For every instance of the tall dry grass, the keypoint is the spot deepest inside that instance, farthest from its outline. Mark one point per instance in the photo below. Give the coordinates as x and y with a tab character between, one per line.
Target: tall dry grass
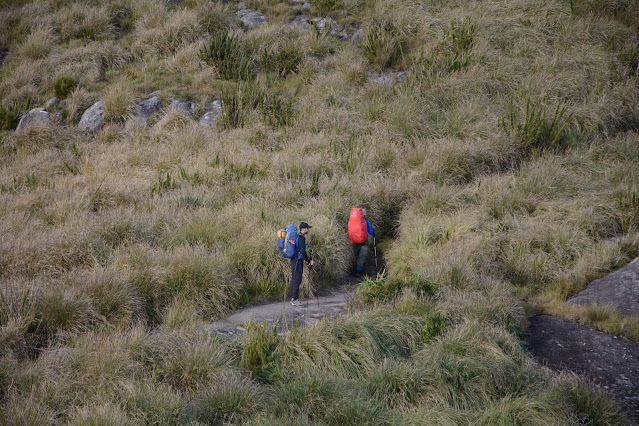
165	228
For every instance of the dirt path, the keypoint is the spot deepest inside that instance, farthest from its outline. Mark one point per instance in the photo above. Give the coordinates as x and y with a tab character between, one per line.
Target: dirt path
610	361
330	303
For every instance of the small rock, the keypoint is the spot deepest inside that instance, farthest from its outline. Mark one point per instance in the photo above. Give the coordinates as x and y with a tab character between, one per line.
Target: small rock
93	118
241	6
35	117
212	117
182	105
147	107
326	24
251	17
306	6
388	78
53	102
302	23
357	35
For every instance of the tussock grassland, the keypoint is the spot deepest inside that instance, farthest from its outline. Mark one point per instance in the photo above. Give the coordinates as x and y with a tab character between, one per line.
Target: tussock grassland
500	176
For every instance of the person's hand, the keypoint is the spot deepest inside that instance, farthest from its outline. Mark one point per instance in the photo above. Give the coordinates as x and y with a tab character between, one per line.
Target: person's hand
312	262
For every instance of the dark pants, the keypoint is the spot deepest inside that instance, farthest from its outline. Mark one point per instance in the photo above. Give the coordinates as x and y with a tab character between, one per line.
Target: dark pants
297	267
362	252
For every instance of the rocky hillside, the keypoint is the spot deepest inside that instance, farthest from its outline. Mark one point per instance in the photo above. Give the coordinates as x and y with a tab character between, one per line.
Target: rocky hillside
150	150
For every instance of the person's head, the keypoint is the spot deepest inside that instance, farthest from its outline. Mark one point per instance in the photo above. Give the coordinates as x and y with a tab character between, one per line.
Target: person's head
304	227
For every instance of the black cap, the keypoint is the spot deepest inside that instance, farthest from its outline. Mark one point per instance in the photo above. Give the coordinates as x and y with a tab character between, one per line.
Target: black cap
305	225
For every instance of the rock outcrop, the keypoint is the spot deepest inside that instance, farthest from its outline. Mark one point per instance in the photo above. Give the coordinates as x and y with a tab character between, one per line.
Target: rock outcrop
182	106
147	107
251	17
619	289
93	118
610	361
212	117
35	117
388	78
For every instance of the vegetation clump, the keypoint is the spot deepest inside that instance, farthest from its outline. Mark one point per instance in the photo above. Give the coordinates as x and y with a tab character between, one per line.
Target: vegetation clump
499	172
227	54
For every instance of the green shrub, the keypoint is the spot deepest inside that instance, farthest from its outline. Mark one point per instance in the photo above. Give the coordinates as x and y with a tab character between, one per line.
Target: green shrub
535	132
163	184
451	54
326	7
396	384
258	351
283	61
435	325
229	400
589	403
64	85
277	111
228	56
122	17
10	115
188	362
383	45
383	288
236	102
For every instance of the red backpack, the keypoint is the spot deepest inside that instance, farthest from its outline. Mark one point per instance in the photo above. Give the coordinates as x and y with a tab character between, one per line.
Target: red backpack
357	229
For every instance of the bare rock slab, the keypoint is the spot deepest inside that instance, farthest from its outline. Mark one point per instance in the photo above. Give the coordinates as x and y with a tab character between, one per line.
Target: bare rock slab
251	17
35	117
611	362
93	118
619	289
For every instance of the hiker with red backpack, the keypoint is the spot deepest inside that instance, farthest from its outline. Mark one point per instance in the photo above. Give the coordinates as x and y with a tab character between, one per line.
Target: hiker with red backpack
292	245
359	230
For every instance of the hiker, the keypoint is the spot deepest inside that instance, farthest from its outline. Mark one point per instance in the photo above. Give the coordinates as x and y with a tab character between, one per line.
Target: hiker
359	231
297	263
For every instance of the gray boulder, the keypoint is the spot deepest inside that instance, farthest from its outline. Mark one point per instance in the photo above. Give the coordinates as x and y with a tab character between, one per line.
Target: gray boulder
93	118
52	103
212	117
35	117
147	107
251	17
357	35
388	78
303	23
182	105
300	23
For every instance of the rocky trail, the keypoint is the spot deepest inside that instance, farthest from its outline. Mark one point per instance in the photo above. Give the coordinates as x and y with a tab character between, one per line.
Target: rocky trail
610	361
331	302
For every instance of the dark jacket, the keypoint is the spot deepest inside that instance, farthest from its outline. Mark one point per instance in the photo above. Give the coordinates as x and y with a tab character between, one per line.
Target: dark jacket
301	246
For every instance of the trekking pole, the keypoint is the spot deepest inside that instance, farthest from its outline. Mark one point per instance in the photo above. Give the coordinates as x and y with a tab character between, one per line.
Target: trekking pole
375	249
313	284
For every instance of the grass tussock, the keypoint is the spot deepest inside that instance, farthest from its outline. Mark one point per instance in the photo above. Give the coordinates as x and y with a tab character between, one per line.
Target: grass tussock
501	169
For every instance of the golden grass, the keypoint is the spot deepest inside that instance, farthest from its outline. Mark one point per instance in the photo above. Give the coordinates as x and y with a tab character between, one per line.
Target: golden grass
173	225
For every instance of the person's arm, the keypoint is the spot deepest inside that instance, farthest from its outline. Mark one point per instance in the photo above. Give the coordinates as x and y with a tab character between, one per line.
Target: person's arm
371	230
302	247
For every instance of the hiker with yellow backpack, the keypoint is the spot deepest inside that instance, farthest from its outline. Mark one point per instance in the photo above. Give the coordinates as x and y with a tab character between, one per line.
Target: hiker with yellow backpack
359	231
292	245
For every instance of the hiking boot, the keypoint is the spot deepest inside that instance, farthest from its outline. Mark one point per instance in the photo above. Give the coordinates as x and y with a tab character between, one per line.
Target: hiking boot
296	302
